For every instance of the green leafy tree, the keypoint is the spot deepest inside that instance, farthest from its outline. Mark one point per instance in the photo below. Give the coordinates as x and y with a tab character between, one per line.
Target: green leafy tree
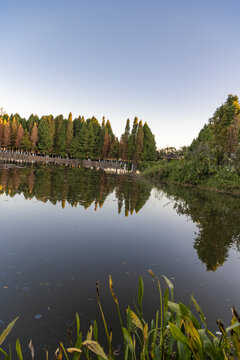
219	139
149	152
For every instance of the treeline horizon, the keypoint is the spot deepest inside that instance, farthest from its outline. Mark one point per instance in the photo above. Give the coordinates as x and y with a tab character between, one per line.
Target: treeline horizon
77	138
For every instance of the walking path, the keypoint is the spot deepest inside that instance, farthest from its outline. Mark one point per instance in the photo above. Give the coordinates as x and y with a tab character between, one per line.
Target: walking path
106	165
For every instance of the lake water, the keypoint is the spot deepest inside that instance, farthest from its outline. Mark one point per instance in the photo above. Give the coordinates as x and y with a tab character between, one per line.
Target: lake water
63	229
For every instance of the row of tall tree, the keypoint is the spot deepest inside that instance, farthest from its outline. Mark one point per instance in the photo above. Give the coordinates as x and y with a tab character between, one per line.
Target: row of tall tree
78	138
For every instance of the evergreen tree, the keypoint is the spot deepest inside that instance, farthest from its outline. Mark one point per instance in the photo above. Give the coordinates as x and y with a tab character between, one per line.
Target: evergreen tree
69	135
44	137
78	124
14	128
132	139
26	142
97	138
51	122
31	121
89	141
61	141
101	137
58	124
124	142
114	149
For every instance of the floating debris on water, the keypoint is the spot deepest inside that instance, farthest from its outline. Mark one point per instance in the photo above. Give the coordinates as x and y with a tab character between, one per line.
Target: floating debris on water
38	316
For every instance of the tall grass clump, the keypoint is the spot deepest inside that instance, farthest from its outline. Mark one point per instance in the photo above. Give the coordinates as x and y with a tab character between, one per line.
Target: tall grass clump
174	333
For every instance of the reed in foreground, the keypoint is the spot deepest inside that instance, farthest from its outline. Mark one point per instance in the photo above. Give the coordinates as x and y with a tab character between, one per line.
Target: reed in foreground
174	333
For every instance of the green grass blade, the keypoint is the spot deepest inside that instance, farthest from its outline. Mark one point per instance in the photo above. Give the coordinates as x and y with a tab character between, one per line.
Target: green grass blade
4	353
128	339
78	324
140	292
18	350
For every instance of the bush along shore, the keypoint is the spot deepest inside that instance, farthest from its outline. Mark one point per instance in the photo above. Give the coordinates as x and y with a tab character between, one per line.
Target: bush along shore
212	161
174	333
189	172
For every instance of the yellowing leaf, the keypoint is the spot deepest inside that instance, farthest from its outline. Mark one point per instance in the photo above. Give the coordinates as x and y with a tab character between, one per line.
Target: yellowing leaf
111	289
73	349
145	332
192	332
96	348
135	320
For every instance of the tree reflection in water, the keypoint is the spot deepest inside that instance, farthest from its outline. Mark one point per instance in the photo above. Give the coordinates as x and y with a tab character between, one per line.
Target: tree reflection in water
76	186
218	221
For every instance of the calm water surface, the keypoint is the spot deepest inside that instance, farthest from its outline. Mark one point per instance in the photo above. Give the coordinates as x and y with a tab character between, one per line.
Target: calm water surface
63	229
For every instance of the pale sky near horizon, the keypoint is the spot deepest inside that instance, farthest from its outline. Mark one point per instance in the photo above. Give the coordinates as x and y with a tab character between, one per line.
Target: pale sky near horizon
170	63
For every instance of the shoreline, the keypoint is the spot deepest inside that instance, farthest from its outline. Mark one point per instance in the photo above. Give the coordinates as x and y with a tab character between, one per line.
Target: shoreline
235	193
108	166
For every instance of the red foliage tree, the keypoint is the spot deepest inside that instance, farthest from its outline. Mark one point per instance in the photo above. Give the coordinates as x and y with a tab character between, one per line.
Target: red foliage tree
106	144
19	136
6	134
34	136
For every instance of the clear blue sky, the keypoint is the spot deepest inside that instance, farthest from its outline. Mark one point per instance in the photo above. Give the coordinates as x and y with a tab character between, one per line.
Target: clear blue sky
171	63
